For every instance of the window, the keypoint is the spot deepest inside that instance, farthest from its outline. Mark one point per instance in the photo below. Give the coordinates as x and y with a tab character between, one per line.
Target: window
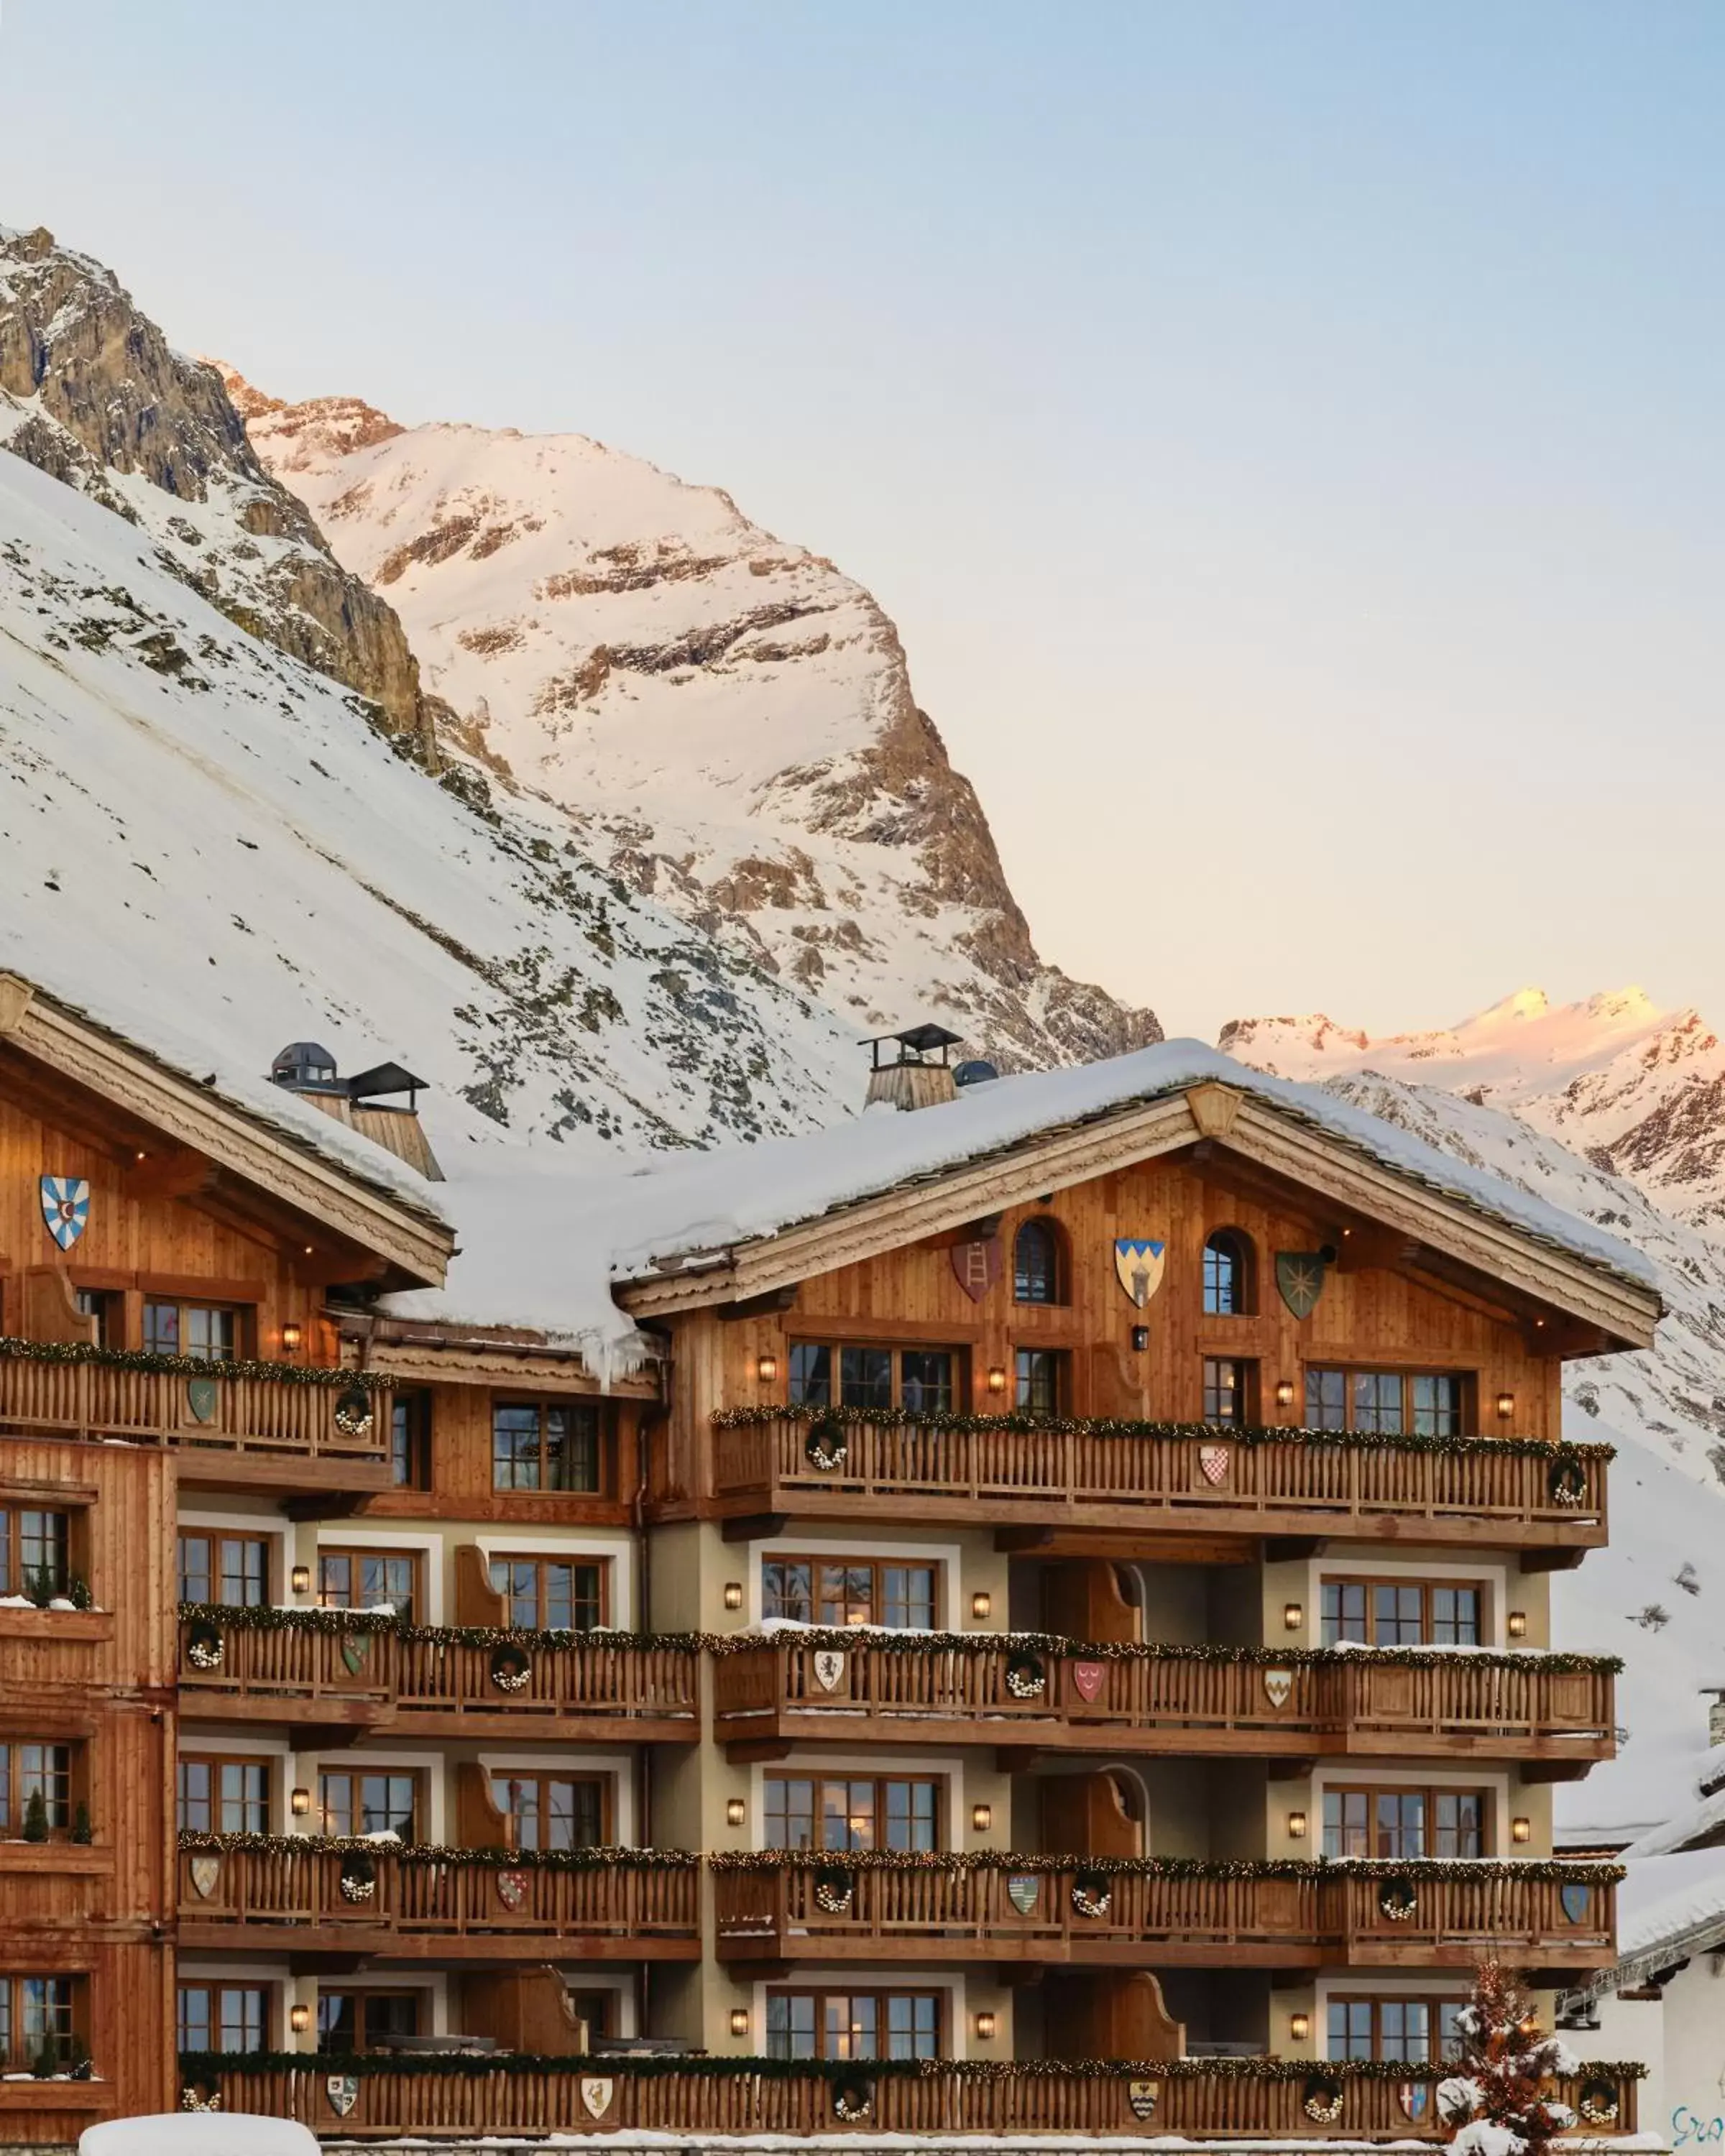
369	1800
223	2017
554	1811
36	2015
232	1569
1401	1824
204	1330
921	1380
93	1303
543	1444
1228	1284
849	1590
34	1552
546	1594
598	2008
410	1440
223	1796
1397	1613
1228	1390
1036	1263
35	1770
363	1579
1387	1403
1396	2029
853	2024
1041	1380
842	1812
355	2021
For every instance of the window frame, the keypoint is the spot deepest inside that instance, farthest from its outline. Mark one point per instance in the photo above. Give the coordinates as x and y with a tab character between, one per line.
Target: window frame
895	1350
411	1450
1371	1582
1059	1362
214	1988
195	1756
1435	2003
1244	1391
239	1313
357	1776
1043	1228
358	1553
545	1405
1242	1253
212	1538
1466	1383
18	2051
542	1777
819	1780
582	1561
15	1574
880	1994
1429	1792
362	1994
876	1567
14	1797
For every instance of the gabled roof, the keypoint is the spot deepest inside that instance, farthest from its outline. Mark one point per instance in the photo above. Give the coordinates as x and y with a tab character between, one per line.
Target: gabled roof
256	1132
1668	1907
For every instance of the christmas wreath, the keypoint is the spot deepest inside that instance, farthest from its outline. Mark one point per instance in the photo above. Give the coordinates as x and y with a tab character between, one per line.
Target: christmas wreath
1321	2102
359	1878
353	1412
1026	1676
205	1646
826	1448
510	1669
1092	1894
1397	1898
834	1889
1598	2103
853	2100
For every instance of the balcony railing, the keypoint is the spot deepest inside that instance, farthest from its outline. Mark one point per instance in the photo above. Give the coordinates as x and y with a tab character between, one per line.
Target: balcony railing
1033	1690
775	1906
346	1667
310	1893
277	1410
1257	2099
1010	1470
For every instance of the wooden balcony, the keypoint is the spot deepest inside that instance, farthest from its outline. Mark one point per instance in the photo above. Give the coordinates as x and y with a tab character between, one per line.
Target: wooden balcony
776	1910
1028	1693
253	1423
309	1895
1259	2100
1051	1488
345	1670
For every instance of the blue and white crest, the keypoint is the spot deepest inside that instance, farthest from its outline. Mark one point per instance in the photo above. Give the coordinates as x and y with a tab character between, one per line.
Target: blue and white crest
1138	1262
65	1207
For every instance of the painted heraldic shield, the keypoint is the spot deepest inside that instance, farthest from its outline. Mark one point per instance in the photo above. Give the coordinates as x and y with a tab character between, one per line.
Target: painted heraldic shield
65	1207
1138	1262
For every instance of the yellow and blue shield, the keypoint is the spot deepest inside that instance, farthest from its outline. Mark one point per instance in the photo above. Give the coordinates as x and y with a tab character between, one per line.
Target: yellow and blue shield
1137	1261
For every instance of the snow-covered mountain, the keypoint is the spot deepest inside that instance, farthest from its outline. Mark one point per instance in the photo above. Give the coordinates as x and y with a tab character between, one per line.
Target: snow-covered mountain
1639	1091
726	719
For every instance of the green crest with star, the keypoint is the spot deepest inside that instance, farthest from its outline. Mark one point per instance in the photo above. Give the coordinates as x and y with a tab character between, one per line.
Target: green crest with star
1299	1280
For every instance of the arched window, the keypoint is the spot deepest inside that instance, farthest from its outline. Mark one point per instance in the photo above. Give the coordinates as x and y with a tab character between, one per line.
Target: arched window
1036	1263
1228	1284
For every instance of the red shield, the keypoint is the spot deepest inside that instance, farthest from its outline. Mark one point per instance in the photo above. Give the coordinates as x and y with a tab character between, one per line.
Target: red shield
1214	1460
977	1266
1088	1681
511	1888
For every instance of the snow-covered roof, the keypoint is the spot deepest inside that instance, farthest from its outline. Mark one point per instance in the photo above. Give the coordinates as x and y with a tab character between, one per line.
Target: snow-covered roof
1667	1906
1703	1816
543	1250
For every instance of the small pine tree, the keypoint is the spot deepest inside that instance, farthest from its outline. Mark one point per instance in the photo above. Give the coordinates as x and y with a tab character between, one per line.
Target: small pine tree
1495	2101
36	1817
78	1592
38	1585
82	1831
47	2060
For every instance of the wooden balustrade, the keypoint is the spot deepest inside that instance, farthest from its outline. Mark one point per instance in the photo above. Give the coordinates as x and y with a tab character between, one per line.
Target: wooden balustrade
803	1686
1058	1480
213	1409
824	1908
440	1682
609	2095
312	1894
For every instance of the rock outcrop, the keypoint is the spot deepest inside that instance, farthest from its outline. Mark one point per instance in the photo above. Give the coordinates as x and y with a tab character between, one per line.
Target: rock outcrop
91	392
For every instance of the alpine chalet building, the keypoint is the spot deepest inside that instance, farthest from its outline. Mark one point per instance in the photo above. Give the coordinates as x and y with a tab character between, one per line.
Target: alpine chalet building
1026	1612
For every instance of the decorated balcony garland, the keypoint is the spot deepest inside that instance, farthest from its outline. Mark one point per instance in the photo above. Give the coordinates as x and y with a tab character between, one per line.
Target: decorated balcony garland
829	1423
1411	1872
206	2066
1028	1646
190	1366
348	1847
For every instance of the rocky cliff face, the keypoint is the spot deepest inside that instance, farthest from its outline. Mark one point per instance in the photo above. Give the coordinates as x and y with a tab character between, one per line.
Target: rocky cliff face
1638	1090
726	719
91	392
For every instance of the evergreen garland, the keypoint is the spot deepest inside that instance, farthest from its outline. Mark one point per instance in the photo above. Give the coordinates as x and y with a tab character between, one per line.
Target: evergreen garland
1570	1871
1043	1425
605	1858
264	1618
208	2066
188	1366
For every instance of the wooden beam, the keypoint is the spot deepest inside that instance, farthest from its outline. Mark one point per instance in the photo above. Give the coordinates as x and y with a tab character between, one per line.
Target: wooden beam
174	1170
755	1527
773	1304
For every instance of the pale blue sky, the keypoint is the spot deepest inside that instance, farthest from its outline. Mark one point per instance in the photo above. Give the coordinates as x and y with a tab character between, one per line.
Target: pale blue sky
1288	435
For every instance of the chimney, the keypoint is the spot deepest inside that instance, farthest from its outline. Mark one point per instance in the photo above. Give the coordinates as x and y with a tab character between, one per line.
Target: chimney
911	1076
1715	1697
304	1068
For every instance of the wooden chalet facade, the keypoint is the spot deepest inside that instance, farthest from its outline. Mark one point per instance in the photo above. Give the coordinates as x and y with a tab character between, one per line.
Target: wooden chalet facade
952	1647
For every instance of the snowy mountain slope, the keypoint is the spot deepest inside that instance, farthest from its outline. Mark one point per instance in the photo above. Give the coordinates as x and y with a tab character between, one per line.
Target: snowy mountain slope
1665	1410
1640	1091
727	719
198	834
91	392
